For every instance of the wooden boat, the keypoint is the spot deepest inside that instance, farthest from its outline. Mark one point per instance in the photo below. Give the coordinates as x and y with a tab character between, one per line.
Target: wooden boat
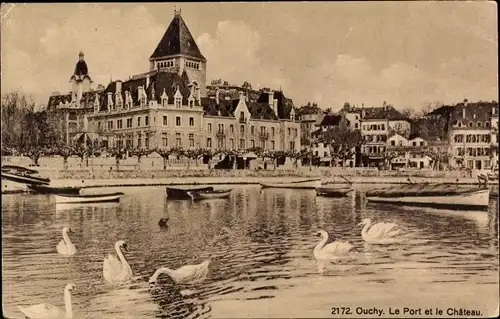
217	193
23	175
333	192
42	189
182	193
90	198
437	196
304	184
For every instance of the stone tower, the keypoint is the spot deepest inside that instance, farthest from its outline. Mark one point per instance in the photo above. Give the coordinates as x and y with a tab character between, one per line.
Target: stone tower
177	52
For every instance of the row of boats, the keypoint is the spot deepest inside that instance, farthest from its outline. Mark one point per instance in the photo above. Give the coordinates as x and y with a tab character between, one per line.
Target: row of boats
416	194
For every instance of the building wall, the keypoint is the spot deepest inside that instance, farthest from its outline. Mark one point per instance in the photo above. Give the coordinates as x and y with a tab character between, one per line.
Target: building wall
374	135
470	147
354	120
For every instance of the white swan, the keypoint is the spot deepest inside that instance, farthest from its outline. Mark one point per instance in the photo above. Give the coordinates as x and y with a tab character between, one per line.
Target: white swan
332	251
114	270
65	246
380	233
48	311
185	274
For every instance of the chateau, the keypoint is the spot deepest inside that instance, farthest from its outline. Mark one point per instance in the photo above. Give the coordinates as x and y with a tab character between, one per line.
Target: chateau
169	106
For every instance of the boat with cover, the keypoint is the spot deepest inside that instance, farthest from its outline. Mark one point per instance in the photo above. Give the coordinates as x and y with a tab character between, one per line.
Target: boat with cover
23	175
216	193
88	198
437	196
182	193
333	192
303	184
43	189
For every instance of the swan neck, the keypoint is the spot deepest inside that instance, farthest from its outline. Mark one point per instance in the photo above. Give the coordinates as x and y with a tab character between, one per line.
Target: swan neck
66	237
322	242
159	271
364	232
125	264
67	304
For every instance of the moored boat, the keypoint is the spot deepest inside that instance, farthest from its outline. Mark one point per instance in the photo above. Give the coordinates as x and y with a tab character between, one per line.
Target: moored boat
210	194
42	189
23	175
333	192
437	196
182	193
303	184
88	198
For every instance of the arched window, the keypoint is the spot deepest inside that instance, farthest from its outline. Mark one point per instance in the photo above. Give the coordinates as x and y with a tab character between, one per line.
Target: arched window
479	124
487	124
470	124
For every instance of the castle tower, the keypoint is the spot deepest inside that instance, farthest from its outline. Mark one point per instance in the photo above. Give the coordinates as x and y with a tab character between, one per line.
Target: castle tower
177	52
80	80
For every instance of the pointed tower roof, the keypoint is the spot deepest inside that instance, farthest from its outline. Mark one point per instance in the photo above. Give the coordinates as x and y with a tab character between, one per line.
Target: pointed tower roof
177	40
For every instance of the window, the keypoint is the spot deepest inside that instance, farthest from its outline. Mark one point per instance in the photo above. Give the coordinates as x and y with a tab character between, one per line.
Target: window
99	125
178	121
165	120
242	129
356	125
164	138
178	102
146	142
272	131
479	124
242	116
231	128
272	145
129	122
191	121
220	143
292	146
414	143
119	124
178	140
252	130
191	140
209	142
263	144
393	143
242	143
139	140
110	125
231	143
422	143
289	131
209	127
252	143
146	120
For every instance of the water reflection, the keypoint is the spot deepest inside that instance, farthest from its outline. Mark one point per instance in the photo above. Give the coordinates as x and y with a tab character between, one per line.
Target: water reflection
264	268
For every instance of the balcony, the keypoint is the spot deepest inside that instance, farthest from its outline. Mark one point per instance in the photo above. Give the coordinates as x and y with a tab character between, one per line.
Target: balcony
220	134
264	135
242	120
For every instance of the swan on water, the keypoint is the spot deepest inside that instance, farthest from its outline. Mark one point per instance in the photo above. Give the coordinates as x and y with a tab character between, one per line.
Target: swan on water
380	233
114	269
335	250
48	311
185	274
65	246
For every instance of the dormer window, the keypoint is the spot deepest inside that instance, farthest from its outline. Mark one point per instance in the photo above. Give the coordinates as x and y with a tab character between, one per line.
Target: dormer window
479	124
459	124
486	124
470	124
191	104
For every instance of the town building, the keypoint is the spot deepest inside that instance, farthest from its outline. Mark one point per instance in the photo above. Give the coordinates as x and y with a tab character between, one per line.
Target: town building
169	106
494	137
407	153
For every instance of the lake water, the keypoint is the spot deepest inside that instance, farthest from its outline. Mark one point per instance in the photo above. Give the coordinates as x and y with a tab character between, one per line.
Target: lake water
265	269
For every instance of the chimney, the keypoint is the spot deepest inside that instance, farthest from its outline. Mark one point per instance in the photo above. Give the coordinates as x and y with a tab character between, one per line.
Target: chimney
118	86
147	82
466	102
271	98
198	95
275	106
463	112
217	96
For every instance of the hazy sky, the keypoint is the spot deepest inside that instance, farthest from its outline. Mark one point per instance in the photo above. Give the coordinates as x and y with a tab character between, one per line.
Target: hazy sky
405	53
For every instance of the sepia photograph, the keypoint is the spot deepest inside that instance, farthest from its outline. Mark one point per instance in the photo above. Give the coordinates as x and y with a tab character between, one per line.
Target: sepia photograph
250	160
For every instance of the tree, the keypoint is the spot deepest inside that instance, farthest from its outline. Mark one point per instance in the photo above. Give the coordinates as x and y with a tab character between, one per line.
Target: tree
274	155
165	152
140	152
14	107
118	154
343	140
63	150
388	157
438	156
193	154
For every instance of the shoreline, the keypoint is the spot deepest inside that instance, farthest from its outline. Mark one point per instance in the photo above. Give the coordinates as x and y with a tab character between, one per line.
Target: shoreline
173	181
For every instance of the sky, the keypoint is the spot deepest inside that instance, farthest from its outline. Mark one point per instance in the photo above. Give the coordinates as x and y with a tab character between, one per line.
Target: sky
409	54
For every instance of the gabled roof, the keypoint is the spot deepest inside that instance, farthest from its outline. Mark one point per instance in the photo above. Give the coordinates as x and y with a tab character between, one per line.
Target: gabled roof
389	113
177	40
331	120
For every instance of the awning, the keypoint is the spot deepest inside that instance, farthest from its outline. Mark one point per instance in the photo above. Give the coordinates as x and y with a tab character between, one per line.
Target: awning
81	137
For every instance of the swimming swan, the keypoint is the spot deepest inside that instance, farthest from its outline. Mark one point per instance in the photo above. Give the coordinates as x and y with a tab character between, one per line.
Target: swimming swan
65	246
335	250
185	274
380	233
48	311
115	270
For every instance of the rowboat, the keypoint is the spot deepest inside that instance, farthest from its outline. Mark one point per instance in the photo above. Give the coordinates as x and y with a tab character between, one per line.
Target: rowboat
437	196
23	175
182	193
333	192
88	198
217	193
42	189
303	184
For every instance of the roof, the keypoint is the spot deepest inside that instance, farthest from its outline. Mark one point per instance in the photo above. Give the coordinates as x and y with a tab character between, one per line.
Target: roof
177	40
87	97
160	81
331	120
388	112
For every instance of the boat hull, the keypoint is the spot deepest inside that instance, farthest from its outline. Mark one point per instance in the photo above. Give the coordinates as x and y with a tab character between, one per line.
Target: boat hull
182	193
25	179
97	198
333	192
42	189
197	195
308	184
474	200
